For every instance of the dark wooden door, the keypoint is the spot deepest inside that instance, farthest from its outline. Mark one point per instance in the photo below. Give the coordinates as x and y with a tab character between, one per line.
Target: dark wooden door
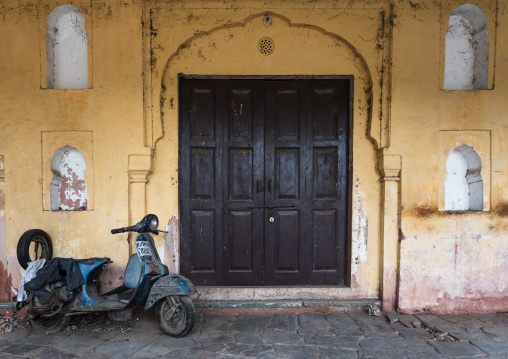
263	176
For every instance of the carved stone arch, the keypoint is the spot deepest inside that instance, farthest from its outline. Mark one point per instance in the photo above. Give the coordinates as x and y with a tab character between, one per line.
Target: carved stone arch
337	57
231	50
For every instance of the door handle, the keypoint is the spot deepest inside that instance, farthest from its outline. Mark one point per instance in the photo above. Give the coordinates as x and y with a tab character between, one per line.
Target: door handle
257	186
270	185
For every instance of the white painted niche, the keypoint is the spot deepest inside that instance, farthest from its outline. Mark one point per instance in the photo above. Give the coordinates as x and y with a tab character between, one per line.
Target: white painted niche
66	49
68	191
464	184
464	170
467	50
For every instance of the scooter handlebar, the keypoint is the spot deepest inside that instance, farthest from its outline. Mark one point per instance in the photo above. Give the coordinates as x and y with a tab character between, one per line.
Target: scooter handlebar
118	230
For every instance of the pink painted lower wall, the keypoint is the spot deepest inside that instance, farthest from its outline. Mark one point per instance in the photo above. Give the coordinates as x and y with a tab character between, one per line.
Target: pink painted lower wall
6	282
453	263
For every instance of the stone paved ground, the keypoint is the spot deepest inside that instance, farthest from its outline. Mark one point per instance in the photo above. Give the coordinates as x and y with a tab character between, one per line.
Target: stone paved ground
289	335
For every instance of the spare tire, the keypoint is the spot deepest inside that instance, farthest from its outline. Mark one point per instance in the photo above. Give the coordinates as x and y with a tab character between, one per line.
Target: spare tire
41	247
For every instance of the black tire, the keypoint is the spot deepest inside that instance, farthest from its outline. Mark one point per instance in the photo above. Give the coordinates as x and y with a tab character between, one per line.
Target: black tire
49	325
41	240
183	319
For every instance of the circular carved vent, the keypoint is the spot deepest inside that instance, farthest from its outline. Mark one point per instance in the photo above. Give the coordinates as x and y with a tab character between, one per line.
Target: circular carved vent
266	46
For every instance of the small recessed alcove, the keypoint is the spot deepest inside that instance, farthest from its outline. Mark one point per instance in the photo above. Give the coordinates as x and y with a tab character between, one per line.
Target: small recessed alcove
464	184
66	49
68	191
467	50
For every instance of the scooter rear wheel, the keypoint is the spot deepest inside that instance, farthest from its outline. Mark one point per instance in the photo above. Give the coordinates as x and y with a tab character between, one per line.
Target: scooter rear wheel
49	325
179	321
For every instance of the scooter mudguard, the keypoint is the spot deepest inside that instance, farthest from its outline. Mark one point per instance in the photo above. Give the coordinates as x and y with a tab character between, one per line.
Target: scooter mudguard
173	284
141	292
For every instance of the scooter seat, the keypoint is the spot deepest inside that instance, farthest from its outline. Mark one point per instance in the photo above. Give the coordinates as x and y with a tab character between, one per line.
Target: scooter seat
132	272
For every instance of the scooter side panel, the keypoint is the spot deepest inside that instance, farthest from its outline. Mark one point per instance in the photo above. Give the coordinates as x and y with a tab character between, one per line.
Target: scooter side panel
90	299
173	284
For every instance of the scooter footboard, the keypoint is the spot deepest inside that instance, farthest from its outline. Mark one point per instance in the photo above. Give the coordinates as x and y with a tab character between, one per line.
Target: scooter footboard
173	284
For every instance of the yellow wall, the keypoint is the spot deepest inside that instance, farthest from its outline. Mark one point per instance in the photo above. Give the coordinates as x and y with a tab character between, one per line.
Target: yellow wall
449	262
137	49
112	110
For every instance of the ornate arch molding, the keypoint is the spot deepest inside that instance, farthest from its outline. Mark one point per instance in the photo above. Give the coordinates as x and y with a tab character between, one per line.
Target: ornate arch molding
320	52
369	103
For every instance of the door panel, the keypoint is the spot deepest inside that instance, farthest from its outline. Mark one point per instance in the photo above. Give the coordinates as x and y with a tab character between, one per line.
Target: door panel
202	119
241	228
325	173
240	115
284	169
240	174
200	182
286	114
286	241
251	150
324	238
328	179
202	240
242	145
287	173
324	113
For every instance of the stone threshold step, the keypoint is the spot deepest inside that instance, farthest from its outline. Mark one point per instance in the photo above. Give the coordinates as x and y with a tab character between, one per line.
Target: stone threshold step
343	303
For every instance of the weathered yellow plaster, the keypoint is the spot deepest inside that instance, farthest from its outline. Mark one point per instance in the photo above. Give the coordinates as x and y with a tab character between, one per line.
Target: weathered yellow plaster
401	248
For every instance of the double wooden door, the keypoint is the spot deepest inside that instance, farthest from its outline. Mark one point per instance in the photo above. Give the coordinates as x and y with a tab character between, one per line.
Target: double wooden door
263	181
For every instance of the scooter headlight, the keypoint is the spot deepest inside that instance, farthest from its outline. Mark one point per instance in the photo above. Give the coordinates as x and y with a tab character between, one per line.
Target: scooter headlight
153	222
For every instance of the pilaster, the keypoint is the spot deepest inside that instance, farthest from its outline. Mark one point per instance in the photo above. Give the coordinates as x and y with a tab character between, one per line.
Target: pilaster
390	167
140	166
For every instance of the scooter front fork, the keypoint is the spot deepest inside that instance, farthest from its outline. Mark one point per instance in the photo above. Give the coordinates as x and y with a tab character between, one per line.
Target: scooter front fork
174	304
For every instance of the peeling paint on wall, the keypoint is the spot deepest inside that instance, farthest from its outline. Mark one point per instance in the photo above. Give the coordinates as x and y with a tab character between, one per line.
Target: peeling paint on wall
5	277
111	278
68	186
455	268
172	245
360	232
15	274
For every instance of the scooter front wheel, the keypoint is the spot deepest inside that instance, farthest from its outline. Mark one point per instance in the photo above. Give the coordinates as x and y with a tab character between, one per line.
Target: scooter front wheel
176	315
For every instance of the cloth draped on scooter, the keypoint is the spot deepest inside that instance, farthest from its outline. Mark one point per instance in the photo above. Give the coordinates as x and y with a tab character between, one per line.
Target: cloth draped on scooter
30	273
65	269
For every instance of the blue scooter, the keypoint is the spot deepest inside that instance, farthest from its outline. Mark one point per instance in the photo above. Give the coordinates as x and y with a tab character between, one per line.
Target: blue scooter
146	282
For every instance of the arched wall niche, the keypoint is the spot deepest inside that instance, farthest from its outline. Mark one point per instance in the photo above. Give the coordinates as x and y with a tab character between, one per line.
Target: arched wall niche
464	184
464	171
68	190
467	49
473	28
66	49
67	170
